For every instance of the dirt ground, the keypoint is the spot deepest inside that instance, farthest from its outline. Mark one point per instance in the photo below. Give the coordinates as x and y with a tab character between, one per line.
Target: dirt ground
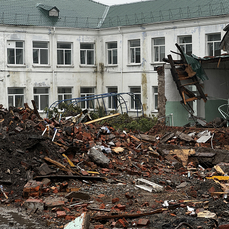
186	190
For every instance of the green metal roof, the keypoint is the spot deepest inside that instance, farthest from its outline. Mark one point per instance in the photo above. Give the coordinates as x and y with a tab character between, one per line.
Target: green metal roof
163	10
72	13
91	14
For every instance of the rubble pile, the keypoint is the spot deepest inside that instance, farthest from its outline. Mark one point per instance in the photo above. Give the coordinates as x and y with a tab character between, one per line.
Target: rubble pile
87	175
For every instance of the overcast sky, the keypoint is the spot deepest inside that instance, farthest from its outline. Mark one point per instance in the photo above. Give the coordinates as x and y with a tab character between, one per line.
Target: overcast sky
116	2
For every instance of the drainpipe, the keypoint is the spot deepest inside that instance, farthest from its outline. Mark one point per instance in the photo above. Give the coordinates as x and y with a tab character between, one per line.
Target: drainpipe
53	72
119	29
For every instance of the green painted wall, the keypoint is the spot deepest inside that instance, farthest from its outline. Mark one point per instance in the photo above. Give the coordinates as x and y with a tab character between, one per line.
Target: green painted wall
180	115
211	109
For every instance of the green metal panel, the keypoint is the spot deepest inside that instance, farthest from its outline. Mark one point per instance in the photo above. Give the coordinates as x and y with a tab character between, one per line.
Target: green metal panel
211	109
180	115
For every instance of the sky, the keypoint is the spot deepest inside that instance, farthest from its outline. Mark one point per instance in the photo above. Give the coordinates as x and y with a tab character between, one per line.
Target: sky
116	2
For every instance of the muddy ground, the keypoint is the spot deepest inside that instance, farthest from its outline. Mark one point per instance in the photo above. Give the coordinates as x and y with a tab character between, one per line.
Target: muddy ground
23	149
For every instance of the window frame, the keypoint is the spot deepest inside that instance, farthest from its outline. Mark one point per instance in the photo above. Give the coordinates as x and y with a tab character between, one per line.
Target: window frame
39	52
13	95
64	53
15	55
87	103
111	53
133	101
86	53
155	98
63	94
184	45
213	43
133	52
159	52
112	101
39	97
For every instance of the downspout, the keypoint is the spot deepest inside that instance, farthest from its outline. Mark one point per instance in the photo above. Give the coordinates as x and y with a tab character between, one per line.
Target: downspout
119	29
53	72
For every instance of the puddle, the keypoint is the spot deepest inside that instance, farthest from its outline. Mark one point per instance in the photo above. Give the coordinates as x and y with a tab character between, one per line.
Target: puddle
12	219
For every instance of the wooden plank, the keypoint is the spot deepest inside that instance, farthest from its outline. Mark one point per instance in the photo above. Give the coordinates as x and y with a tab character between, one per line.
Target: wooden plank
103	118
218	177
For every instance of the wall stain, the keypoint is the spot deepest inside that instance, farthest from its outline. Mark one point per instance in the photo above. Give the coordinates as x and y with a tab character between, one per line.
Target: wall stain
144	91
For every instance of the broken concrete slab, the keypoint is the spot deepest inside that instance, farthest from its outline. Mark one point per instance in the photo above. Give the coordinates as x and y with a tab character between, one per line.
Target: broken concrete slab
98	157
81	222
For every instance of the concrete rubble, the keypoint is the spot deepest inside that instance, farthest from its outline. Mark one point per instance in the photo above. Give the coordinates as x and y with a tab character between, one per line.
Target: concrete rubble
70	174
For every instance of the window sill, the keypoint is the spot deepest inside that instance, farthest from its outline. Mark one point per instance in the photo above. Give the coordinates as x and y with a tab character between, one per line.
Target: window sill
87	66
41	66
111	65
65	66
133	65
16	65
157	63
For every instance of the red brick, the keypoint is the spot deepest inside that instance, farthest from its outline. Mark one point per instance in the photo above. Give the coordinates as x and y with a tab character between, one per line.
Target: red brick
121	222
121	207
143	222
225	226
99	226
70	217
212	189
115	200
61	214
84	173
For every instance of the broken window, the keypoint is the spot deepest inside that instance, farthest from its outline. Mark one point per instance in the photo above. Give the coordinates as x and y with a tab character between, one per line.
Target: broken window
135	103
158	49
87	54
64	53
185	42
112	100
15	52
213	44
15	97
41	97
64	93
135	51
155	98
40	52
88	102
112	53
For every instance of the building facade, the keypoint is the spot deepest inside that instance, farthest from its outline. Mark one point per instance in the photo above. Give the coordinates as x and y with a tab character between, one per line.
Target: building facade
61	49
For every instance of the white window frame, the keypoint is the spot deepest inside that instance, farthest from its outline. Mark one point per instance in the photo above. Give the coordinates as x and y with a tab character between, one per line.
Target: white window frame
40	50
134	101
39	95
64	95
64	50
184	44
14	96
158	50
86	51
88	91
134	51
15	48
111	51
214	44
155	98
112	100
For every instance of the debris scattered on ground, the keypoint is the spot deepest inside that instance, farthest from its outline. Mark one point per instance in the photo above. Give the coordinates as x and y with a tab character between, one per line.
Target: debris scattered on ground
65	172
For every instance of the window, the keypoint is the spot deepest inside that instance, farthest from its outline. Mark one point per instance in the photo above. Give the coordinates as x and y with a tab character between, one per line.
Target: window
135	51
185	43
112	52
158	49
87	91
40	52
64	53
15	97
41	97
15	52
112	100
135	98
155	98
213	43
87	54
64	93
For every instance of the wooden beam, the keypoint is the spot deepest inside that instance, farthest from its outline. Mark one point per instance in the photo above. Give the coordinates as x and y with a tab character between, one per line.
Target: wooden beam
103	118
